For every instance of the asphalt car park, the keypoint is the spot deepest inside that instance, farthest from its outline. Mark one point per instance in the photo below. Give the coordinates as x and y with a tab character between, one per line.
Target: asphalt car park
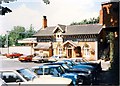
7	62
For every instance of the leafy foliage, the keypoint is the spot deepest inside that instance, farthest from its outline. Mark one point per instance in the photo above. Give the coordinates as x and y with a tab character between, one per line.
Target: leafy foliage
4	10
17	33
46	1
2	41
85	21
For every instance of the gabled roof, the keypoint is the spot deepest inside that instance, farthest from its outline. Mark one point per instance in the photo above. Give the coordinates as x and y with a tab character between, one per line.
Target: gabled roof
61	27
72	30
70	42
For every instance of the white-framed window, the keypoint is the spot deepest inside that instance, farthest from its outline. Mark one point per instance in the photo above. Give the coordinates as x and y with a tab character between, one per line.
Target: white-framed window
86	50
60	51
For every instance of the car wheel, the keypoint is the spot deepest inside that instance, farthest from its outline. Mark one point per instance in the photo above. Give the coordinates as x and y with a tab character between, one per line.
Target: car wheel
29	60
42	61
83	81
11	57
80	81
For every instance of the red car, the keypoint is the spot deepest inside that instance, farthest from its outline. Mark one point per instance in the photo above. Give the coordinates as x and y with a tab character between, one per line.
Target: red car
13	55
25	58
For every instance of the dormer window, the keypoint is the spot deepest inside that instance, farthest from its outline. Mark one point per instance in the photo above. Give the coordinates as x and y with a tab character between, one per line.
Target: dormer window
59	37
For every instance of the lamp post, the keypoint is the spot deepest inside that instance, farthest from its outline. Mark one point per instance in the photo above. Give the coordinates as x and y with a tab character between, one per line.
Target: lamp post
7	42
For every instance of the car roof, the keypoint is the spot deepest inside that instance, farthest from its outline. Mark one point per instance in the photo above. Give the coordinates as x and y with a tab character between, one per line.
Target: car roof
46	66
49	66
80	58
55	63
77	58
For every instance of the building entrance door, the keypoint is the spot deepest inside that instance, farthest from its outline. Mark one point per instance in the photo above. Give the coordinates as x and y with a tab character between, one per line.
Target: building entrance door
69	53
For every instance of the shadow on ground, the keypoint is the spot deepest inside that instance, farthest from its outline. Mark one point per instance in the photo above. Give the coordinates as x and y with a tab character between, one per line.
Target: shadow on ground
108	78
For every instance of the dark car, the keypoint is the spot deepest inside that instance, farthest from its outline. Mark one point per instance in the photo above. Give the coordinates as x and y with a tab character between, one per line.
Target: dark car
57	71
74	65
80	66
86	74
83	61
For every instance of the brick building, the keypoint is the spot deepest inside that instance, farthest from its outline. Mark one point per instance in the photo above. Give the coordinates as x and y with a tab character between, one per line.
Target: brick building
63	39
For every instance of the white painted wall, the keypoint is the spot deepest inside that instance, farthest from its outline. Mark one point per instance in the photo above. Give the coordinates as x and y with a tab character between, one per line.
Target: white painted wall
18	49
96	50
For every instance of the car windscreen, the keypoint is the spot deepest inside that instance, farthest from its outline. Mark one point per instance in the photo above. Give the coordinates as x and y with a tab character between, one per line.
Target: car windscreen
66	66
27	74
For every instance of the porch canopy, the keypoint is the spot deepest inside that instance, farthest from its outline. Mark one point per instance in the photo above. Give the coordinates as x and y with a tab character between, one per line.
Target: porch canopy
28	40
42	46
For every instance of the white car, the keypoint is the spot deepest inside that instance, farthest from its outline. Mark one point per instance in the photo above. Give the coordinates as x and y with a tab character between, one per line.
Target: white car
2	83
40	58
25	76
57	57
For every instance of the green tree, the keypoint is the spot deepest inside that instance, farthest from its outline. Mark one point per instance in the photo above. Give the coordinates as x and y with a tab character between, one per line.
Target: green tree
2	40
19	32
15	34
30	31
4	10
87	21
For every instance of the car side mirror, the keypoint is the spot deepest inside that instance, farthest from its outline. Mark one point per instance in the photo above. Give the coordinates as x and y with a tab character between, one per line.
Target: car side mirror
18	80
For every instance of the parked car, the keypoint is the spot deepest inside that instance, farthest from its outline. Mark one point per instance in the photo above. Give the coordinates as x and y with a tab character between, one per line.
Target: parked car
74	65
39	58
2	83
25	58
83	61
13	55
56	57
25	76
80	66
57	71
86	74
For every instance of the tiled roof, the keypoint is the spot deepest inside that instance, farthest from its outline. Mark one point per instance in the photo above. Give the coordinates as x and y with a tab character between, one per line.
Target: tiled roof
83	29
72	30
45	32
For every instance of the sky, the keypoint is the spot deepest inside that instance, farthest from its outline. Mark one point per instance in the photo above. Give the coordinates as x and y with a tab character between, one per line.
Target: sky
27	12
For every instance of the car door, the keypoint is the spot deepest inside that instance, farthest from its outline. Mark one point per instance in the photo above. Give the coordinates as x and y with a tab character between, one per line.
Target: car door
10	77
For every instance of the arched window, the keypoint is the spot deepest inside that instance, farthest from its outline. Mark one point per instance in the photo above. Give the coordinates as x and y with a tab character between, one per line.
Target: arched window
86	50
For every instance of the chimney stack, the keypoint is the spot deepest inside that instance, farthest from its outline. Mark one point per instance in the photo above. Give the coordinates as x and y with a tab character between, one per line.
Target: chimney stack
44	22
101	17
